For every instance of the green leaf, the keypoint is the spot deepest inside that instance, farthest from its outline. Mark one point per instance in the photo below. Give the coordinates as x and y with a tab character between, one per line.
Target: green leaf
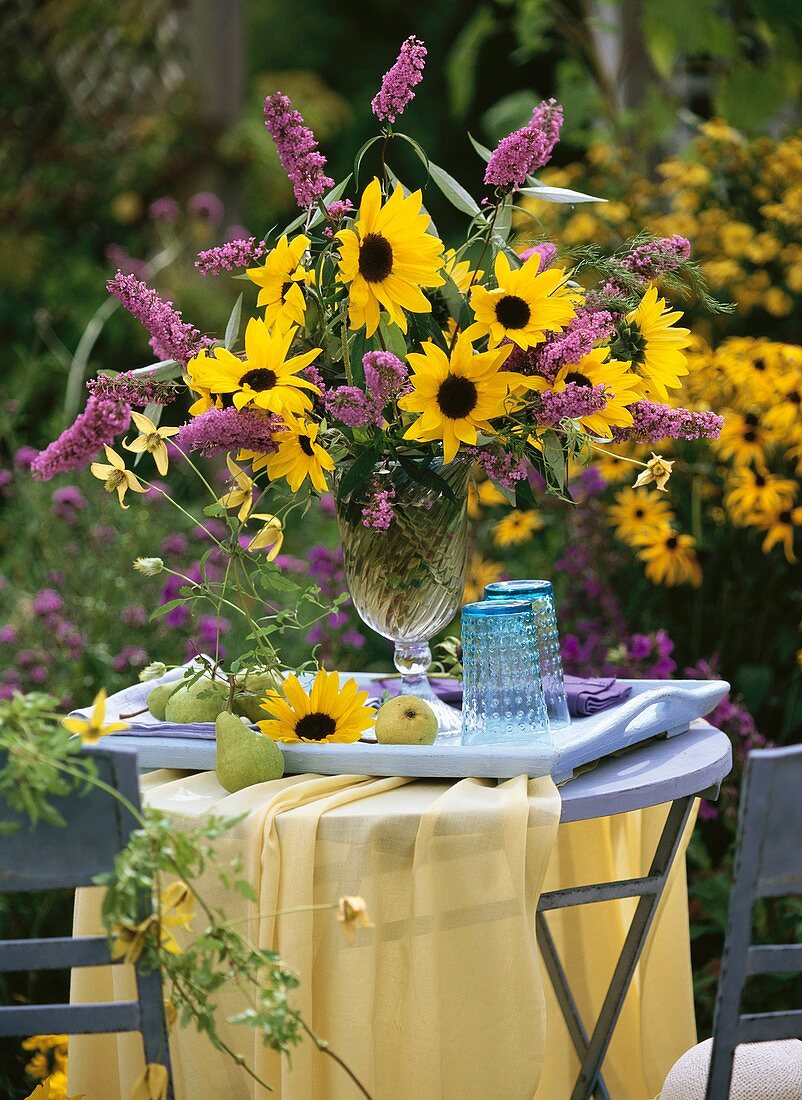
357	472
554	459
558	194
361	153
482	150
394	339
461	62
453	190
232	328
424	475
214	510
317	217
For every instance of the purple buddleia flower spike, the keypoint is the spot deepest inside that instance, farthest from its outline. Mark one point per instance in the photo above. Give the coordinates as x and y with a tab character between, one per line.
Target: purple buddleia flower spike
230	256
526	150
297	150
99	423
170	336
396	92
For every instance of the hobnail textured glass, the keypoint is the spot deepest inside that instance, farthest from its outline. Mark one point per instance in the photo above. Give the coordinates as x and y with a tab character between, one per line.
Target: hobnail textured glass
503	700
407	582
541	594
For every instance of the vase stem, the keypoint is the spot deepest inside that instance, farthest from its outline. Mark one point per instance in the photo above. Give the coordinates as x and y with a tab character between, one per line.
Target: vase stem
412	659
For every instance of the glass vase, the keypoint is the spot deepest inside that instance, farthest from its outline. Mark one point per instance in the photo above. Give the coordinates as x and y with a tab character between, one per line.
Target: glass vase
406	582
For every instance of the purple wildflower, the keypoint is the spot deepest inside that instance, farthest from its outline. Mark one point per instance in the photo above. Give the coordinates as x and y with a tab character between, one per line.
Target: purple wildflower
132	389
47	602
101	420
587	329
130	657
68	502
8	635
526	150
122	259
378	512
353	407
297	150
174	544
24	456
572	403
230	256
396	92
547	252
134	614
219	430
164	210
208	206
501	466
385	375
653	422
170	336
659	257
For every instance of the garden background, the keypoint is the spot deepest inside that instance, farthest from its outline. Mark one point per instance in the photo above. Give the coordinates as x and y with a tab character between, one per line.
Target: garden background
137	138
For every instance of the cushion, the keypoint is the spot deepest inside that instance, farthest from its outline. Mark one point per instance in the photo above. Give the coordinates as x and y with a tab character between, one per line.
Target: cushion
762	1071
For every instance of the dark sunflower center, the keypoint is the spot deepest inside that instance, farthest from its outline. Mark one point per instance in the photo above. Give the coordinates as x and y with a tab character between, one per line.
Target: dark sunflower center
375	258
261	378
671	543
285	289
457	397
750	435
759	364
760	481
630	343
795	397
305	443
578	379
751	419
638	513
785	517
512	311
315	727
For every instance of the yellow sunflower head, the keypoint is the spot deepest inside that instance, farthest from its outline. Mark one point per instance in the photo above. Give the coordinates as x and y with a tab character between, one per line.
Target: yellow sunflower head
621	389
525	304
670	558
299	456
650	340
387	257
325	713
268	377
282	278
456	396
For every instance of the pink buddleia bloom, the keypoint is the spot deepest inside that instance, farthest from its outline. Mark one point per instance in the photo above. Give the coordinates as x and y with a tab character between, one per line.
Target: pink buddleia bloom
102	420
231	256
297	151
526	150
396	92
170	336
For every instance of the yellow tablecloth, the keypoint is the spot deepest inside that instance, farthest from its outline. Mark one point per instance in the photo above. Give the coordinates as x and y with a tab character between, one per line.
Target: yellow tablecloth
444	999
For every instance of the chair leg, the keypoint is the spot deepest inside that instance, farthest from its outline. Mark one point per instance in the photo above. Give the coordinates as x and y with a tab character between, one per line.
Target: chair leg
663	860
154	1030
565	998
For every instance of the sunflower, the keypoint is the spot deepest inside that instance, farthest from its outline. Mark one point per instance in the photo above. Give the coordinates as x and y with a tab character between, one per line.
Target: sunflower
326	713
456	396
481	572
649	340
743	439
621	388
460	272
670	558
636	514
267	379
524	306
281	279
750	494
299	456
780	526
517	527
387	257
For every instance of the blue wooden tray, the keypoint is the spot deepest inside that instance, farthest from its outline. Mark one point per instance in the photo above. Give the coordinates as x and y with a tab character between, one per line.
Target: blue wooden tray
654	708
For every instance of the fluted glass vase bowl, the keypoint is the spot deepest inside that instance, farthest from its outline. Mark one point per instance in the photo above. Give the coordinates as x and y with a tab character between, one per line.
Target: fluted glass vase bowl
407	581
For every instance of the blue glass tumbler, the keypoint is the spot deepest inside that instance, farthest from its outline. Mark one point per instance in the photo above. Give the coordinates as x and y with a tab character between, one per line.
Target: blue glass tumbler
548	640
503	700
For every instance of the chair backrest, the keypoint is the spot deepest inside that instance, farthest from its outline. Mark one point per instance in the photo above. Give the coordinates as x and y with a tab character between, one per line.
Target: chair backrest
45	857
768	863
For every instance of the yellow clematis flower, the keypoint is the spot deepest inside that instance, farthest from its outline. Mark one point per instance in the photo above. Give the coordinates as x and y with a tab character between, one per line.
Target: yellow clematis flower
151	440
271	536
151	1083
657	470
91	729
116	477
352	912
241	495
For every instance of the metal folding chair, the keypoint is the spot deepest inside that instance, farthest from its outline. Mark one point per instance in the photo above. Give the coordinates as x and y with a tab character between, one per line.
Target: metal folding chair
768	864
52	857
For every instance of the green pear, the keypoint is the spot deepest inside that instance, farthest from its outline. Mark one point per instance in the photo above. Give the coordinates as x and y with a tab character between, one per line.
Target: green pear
244	756
260	681
157	699
406	720
249	705
200	701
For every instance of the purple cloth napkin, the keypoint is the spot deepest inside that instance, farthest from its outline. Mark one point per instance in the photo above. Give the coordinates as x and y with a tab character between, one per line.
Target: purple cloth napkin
585	695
